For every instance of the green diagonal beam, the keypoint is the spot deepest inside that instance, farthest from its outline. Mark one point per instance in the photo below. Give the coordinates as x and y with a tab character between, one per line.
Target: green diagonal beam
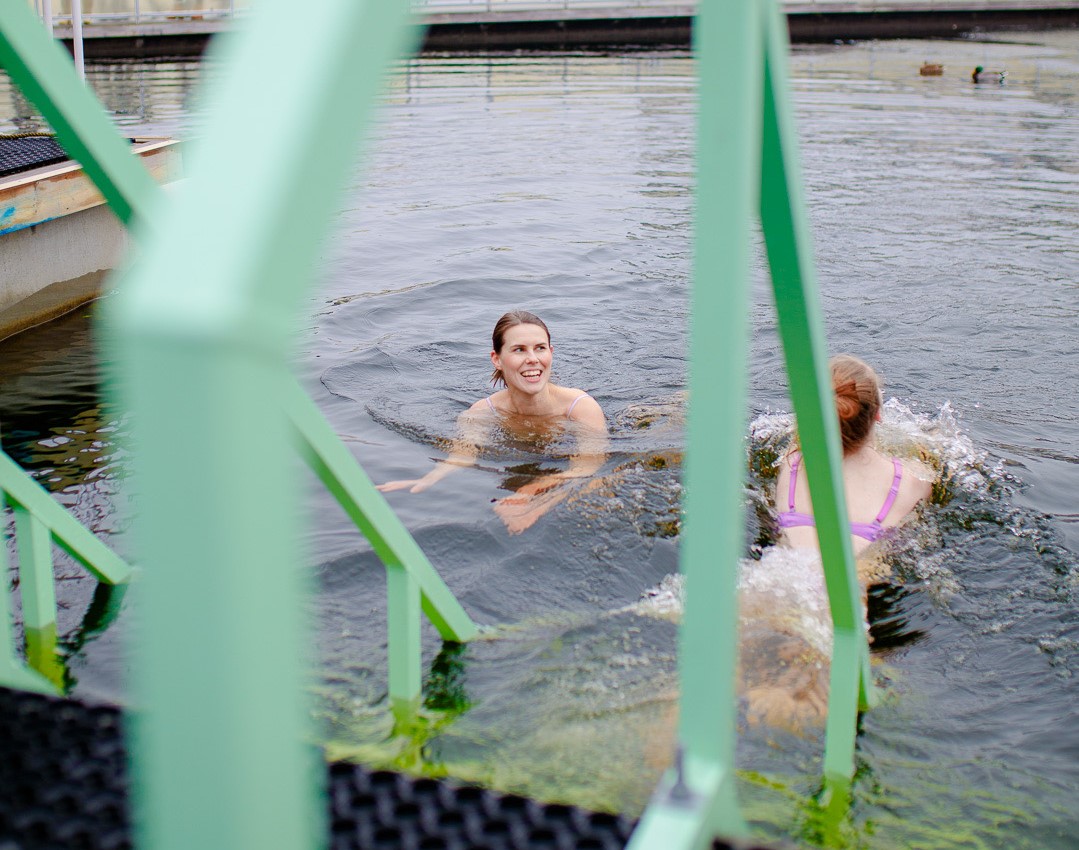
801	327
68	533
45	74
332	462
411	581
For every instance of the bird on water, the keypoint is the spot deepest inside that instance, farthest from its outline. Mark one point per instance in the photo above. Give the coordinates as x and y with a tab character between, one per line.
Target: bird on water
980	75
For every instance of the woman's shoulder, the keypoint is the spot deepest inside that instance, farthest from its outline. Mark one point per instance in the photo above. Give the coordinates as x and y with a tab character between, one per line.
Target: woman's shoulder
487	404
917	476
580	406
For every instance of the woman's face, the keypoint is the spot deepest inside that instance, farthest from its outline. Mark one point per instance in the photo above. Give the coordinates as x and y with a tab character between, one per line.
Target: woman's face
525	358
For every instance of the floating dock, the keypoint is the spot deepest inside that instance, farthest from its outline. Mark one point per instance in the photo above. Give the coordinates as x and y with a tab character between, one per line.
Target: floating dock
506	25
58	240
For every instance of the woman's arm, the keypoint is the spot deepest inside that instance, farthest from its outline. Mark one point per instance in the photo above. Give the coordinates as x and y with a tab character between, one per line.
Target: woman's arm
537	497
471	430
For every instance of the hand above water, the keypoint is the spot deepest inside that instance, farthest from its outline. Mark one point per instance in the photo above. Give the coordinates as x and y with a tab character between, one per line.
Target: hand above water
418	485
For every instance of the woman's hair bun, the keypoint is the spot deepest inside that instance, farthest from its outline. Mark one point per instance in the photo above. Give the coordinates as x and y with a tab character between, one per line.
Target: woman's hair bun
847	403
857	399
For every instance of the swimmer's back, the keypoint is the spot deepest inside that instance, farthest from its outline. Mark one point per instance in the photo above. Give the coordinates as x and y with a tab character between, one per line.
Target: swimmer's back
868	488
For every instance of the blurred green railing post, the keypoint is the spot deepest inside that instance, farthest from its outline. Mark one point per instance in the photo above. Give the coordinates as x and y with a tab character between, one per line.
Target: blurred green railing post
205	335
747	166
89	137
205	323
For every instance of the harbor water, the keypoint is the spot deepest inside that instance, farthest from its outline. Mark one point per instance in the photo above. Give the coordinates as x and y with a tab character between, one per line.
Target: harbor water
944	216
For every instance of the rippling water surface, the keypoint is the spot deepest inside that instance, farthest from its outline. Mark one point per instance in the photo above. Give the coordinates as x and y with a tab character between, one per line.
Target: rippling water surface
944	216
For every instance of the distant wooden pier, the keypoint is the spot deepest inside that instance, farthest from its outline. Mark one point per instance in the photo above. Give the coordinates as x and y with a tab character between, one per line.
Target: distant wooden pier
518	24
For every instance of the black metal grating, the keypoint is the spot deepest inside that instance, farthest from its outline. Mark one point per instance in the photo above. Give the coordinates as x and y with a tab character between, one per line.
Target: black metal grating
63	786
21	153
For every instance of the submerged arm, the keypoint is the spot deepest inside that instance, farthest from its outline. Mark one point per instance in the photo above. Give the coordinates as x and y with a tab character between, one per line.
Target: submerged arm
463	453
534	499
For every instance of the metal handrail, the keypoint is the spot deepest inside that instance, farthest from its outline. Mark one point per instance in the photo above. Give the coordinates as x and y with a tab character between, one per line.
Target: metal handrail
123	183
412	583
137	11
40	522
747	169
219	329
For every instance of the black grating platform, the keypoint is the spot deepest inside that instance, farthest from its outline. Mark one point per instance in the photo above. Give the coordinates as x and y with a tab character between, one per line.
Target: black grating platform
21	153
63	786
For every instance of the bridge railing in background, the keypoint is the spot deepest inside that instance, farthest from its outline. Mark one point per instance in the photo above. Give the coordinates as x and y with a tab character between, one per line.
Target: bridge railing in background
40	522
140	11
178	11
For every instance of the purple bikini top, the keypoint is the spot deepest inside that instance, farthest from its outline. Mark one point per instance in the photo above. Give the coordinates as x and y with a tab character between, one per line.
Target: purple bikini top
870	531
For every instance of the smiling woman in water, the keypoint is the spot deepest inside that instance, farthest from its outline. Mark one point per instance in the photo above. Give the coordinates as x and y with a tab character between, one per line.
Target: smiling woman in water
528	404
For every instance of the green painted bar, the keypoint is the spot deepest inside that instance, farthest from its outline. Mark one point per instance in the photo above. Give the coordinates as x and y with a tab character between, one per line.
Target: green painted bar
13	674
748	164
403	632
728	45
35	570
22	491
684	819
44	72
335	466
790	256
206	337
41	655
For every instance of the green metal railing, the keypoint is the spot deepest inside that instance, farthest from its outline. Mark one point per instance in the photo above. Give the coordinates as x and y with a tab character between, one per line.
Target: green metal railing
205	337
748	168
217	324
412	583
39	523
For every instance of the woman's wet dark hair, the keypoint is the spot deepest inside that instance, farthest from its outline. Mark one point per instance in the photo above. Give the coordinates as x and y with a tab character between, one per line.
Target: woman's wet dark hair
857	399
498	336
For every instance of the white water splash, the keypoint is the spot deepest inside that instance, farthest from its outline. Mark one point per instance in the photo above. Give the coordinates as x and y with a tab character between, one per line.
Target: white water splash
786	585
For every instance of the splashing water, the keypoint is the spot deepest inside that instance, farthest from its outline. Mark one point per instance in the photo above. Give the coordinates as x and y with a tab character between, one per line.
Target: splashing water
791	580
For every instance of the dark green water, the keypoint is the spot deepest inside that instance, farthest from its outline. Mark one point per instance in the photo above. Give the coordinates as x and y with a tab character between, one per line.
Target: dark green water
944	216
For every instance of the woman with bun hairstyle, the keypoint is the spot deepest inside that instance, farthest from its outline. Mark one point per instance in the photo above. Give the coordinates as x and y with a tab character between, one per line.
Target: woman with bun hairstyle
529	406
881	491
785	623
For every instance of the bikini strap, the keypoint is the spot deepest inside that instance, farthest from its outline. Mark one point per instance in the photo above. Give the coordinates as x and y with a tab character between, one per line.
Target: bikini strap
897	478
794	480
573	404
491	405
